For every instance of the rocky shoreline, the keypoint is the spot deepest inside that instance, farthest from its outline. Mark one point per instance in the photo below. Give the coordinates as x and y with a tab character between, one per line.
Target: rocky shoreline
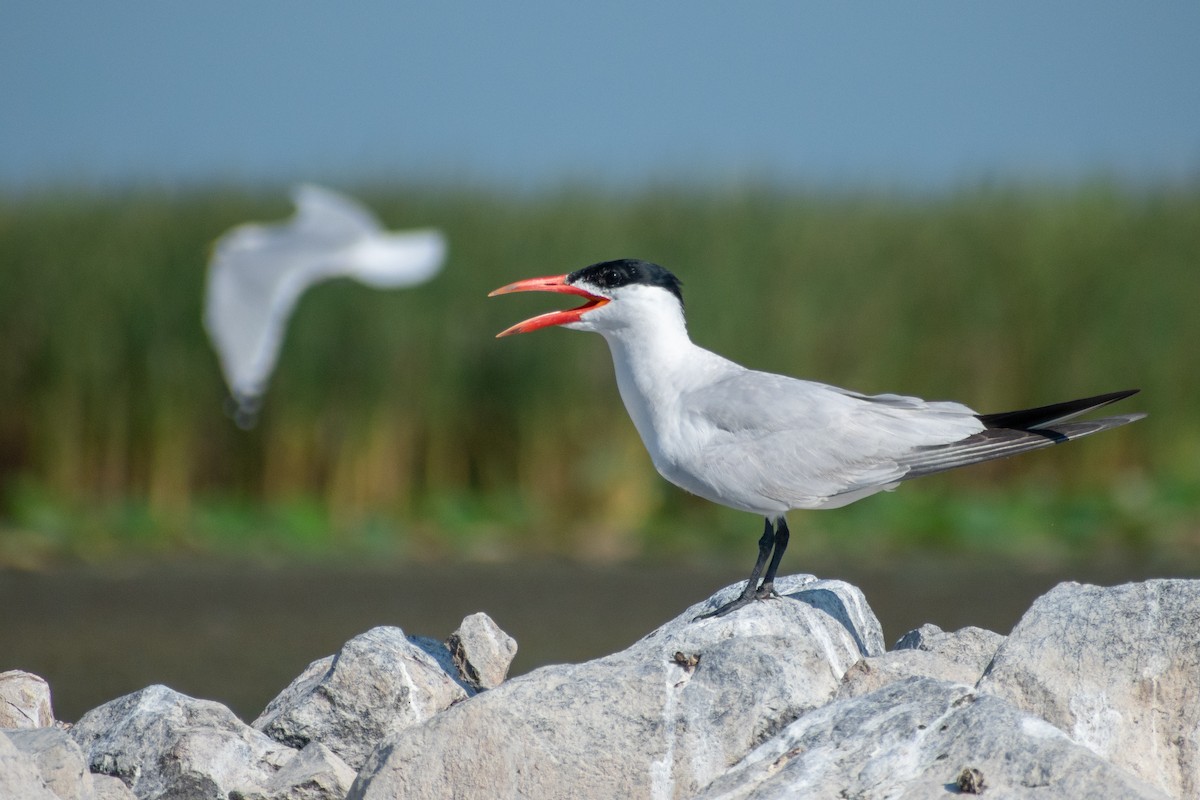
1093	694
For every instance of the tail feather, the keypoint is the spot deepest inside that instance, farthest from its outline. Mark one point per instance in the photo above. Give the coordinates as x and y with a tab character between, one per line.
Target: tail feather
1041	416
1013	432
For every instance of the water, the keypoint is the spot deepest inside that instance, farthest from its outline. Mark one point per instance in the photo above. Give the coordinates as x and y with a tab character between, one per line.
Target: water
239	633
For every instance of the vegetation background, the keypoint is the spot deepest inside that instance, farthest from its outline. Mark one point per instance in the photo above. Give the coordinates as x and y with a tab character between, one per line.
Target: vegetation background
396	426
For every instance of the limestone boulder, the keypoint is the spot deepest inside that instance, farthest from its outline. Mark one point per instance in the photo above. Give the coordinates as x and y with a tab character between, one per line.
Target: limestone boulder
163	744
378	683
922	738
662	718
1116	668
24	700
960	657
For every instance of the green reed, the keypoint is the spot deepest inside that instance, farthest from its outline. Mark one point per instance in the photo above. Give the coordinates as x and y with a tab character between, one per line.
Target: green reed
397	417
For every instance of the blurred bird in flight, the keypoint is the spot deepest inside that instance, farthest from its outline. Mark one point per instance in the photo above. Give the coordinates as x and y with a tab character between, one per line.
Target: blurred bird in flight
258	273
768	443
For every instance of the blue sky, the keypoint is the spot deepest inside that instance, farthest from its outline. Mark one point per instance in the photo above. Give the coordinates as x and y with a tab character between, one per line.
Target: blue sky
921	94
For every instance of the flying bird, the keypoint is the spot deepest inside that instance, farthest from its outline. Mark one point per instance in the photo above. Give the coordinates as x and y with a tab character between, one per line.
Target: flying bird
767	443
258	272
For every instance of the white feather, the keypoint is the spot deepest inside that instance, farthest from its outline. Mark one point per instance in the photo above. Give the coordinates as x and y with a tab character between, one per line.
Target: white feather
258	272
751	440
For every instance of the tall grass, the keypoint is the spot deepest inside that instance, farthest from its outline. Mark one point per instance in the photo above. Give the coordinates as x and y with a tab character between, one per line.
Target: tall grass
396	416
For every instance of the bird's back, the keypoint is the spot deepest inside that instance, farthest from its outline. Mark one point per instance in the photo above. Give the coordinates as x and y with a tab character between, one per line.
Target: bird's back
768	443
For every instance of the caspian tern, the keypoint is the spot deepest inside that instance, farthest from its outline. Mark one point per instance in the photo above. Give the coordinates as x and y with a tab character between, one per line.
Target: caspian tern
258	273
768	443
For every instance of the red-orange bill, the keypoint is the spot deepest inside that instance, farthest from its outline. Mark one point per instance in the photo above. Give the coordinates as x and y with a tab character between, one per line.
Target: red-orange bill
550	283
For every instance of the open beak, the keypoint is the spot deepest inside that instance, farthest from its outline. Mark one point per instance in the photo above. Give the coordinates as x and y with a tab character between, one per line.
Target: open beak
552	283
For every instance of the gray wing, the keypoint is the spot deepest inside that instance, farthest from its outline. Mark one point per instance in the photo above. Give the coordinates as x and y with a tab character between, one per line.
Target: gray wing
803	444
1013	432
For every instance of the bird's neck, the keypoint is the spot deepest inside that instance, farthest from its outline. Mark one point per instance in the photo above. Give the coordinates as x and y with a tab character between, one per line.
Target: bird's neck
653	369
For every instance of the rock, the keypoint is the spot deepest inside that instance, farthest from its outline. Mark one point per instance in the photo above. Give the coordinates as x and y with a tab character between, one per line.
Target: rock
301	687
59	764
481	651
923	635
1092	695
165	744
662	718
915	739
24	700
59	761
972	647
109	787
316	774
377	684
871	674
439	651
1116	668
930	652
19	775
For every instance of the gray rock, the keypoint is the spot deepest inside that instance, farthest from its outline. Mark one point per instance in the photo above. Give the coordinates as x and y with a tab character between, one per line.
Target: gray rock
923	738
109	787
661	719
970	647
315	774
164	744
481	651
871	674
786	698
59	761
300	688
377	684
24	700
60	765
19	774
924	635
930	652
439	651
1118	669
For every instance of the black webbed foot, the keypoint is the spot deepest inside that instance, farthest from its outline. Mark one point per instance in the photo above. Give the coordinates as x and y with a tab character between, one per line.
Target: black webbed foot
744	599
767	592
772	544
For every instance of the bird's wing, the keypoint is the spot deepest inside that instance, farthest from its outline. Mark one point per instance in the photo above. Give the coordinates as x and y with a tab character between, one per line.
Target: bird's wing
802	443
356	244
1012	432
1043	416
392	260
258	272
330	216
994	443
255	276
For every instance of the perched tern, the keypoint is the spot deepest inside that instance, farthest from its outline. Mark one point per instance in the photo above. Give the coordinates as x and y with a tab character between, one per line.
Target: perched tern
768	443
258	273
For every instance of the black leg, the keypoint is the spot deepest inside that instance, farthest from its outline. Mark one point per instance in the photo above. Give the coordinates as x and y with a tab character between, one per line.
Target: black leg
753	591
765	544
782	534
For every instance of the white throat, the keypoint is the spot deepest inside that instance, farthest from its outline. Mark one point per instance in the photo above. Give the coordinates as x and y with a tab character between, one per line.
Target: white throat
656	363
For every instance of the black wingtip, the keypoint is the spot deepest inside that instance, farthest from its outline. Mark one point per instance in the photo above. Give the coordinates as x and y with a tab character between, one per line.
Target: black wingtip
1029	418
1001	442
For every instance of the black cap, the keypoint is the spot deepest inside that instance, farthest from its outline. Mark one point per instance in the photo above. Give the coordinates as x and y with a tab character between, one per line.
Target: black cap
627	271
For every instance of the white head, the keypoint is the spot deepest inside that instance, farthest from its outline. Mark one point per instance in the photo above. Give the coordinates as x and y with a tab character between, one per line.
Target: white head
622	294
